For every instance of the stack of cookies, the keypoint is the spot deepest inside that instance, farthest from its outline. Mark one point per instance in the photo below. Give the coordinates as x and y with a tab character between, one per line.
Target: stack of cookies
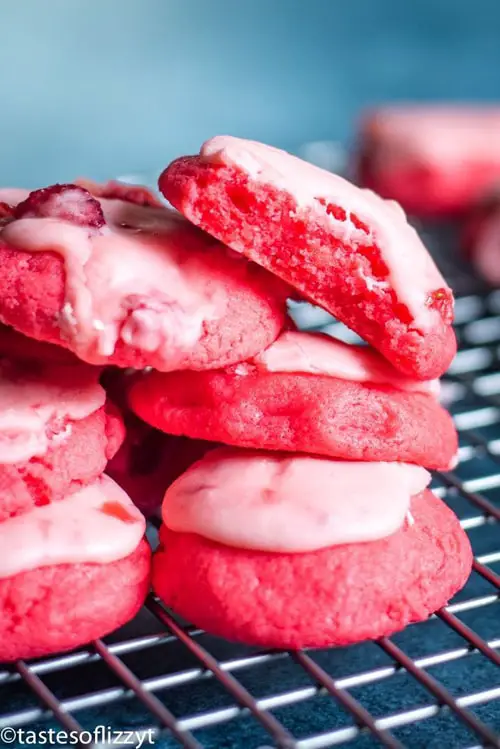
316	526
73	562
313	524
93	276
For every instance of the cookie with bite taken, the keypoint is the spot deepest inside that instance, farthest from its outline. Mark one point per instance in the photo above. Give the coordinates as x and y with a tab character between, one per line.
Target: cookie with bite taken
341	247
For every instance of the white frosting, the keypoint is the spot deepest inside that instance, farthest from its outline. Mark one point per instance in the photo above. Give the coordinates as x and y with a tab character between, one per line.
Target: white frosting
273	502
99	524
317	353
144	278
412	272
30	403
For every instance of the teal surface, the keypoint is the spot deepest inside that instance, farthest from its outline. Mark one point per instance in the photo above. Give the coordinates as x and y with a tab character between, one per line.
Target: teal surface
107	87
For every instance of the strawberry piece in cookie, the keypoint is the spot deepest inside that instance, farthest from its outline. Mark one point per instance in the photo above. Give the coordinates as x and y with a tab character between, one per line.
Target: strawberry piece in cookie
68	203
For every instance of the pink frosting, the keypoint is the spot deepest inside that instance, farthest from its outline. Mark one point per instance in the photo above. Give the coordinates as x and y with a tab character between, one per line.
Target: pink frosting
13	195
412	272
317	353
283	503
139	280
437	135
30	403
98	524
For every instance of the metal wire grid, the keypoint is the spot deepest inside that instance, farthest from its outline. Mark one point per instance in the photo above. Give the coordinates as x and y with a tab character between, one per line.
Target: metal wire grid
133	680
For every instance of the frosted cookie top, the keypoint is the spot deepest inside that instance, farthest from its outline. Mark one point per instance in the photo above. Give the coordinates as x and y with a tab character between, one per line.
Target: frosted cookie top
317	353
99	524
35	408
138	274
412	273
273	502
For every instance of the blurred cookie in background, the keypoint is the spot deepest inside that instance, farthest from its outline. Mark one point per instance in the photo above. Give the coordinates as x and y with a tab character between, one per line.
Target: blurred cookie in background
435	160
481	237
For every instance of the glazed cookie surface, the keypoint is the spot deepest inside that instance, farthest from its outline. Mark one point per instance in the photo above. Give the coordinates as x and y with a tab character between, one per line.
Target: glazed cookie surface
71	571
360	590
117	281
57	433
341	247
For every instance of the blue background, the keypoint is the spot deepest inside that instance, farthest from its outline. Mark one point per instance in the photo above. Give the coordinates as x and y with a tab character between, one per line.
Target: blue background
107	87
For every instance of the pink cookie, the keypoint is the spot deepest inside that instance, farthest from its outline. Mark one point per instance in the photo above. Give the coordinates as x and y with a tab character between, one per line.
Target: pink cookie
306	393
71	571
481	238
134	285
335	596
149	461
114	190
56	434
16	346
80	602
343	248
433	160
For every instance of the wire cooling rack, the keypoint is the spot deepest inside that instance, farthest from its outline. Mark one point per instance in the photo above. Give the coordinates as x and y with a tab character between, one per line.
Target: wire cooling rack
434	686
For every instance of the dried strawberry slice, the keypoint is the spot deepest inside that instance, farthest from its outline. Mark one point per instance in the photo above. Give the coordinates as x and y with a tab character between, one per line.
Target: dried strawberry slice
114	190
70	203
6	213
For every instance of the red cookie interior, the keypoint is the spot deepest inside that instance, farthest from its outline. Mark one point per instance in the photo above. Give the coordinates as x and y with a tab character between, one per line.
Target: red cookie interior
329	248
